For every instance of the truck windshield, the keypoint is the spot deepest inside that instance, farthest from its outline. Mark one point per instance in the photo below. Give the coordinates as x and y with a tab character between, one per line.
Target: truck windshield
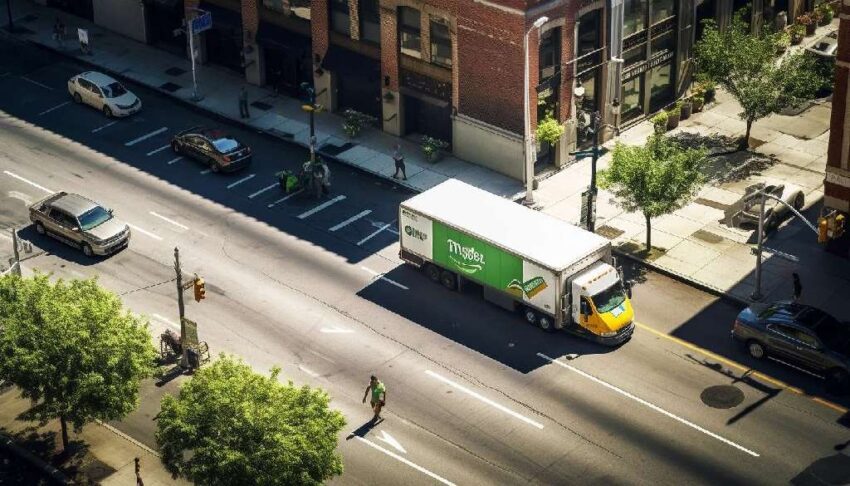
609	298
94	217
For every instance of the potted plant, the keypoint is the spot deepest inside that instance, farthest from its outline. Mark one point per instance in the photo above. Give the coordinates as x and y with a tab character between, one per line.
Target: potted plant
433	148
673	115
826	13
659	122
808	22
797	32
354	122
549	130
783	40
687	106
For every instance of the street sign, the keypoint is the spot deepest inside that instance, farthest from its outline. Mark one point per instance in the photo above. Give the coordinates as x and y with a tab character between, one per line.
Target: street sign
191	337
580	154
202	22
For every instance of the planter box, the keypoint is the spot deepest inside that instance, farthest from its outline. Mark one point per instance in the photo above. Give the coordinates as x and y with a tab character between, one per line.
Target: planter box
686	110
698	103
672	120
810	29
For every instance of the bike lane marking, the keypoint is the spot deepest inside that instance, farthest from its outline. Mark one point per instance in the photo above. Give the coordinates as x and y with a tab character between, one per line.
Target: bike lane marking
351	220
307	214
252	196
240	181
145	137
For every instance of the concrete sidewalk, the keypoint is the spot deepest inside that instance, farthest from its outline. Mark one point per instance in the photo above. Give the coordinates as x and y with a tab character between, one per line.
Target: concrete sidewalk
105	456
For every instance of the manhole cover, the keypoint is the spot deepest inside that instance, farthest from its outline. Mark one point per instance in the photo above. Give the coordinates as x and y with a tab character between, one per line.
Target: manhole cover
722	396
170	87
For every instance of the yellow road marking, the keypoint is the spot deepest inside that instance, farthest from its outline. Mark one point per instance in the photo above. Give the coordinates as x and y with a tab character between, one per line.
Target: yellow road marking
741	367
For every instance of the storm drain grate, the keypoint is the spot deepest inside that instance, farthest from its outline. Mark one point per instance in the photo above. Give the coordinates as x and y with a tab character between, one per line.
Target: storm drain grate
170	87
175	71
722	396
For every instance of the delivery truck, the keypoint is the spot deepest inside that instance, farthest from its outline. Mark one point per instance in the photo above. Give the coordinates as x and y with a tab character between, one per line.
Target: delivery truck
556	275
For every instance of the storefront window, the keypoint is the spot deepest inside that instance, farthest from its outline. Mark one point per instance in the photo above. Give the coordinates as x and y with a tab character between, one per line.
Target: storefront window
661	9
634	16
441	44
632	98
634	55
410	32
370	21
340	17
662	45
298	8
660	86
550	53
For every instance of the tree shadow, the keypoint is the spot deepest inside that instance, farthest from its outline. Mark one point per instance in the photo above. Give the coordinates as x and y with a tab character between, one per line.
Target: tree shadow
833	469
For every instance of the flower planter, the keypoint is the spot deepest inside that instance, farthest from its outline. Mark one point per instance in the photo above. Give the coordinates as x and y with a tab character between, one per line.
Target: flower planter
673	120
796	39
709	95
686	109
698	103
435	156
810	29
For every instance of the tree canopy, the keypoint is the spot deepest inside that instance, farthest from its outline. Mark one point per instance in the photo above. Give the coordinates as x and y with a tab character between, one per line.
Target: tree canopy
749	68
654	179
230	425
72	349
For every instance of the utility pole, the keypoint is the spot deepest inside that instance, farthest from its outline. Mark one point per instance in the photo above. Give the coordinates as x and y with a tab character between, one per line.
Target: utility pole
9	13
17	255
184	357
591	197
311	108
756	295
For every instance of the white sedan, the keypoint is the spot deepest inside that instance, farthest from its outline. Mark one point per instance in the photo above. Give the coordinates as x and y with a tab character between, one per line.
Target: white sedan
104	93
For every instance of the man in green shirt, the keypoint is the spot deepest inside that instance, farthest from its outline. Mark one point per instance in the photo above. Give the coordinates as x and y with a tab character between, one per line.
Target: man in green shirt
379	396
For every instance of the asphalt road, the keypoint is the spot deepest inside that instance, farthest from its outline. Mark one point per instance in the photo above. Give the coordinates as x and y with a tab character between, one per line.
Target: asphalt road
474	395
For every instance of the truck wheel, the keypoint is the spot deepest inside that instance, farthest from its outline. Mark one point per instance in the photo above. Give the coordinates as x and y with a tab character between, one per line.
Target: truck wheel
545	322
433	272
448	279
530	316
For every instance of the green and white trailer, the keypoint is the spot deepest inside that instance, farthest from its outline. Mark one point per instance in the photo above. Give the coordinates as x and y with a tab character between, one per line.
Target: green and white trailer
557	275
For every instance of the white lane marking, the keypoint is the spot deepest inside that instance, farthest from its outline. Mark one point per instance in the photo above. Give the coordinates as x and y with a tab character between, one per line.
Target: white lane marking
205	172
104	126
36	83
650	405
166	321
33	184
335	330
240	181
385	279
54	108
175	223
351	220
299	191
140	230
145	137
382	228
308	371
320	355
385	437
484	399
307	214
409	463
25	198
252	196
156	151
175	160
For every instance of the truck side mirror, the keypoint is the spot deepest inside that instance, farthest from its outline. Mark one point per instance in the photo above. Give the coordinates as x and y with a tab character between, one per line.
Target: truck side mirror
629	286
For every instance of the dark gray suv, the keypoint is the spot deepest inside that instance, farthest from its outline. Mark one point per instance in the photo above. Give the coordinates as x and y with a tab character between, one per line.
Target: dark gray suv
800	335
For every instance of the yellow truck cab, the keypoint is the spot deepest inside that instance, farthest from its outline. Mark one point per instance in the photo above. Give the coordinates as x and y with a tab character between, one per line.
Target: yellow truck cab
600	304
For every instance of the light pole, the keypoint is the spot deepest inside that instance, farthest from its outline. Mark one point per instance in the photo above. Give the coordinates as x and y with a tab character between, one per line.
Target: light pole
527	142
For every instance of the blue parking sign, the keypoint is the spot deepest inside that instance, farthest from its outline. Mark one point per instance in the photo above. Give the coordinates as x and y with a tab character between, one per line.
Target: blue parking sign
202	23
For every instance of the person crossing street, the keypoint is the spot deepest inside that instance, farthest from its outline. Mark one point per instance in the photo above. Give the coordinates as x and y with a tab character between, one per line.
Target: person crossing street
379	396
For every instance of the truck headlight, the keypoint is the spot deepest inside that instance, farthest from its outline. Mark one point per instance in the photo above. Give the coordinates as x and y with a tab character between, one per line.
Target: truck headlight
609	334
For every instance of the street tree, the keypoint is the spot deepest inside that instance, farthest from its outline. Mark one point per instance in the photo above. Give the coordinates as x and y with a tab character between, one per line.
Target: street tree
72	349
655	179
750	68
231	425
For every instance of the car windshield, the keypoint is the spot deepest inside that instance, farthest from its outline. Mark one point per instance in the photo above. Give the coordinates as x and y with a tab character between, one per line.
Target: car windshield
609	298
94	217
225	145
114	90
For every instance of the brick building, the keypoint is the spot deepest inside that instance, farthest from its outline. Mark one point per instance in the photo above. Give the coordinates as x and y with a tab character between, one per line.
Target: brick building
837	181
451	69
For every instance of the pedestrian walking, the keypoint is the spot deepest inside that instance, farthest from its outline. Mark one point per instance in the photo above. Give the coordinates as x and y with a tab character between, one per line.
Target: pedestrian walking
139	481
798	287
243	104
399	162
379	396
59	32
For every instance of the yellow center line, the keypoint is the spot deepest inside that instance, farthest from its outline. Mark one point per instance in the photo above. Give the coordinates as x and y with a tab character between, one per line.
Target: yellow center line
740	367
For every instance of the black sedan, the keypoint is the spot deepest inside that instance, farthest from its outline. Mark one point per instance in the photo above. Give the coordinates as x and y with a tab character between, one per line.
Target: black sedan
798	334
214	147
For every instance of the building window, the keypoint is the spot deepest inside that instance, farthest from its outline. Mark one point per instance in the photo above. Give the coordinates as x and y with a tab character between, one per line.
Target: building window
409	31
663	44
340	17
660	86
370	21
661	9
441	44
632	98
550	53
634	16
298	8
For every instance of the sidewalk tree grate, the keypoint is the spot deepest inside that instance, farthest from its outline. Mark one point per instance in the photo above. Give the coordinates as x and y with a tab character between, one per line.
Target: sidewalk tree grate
175	71
261	106
170	87
334	150
609	232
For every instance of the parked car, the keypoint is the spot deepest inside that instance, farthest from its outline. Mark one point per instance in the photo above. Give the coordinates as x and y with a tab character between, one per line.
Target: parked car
214	147
826	47
104	93
774	212
80	222
799	334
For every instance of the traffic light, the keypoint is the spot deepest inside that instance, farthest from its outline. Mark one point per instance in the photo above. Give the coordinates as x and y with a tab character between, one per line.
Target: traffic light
838	228
200	291
830	226
823	230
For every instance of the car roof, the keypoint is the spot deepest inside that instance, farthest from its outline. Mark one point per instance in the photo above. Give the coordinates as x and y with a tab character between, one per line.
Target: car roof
73	204
98	78
214	133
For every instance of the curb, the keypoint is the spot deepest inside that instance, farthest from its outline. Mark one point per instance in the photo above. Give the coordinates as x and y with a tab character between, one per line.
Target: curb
128	438
54	474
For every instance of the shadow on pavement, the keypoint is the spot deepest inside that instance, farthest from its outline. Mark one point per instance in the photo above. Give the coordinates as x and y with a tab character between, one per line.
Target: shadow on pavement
52	246
833	469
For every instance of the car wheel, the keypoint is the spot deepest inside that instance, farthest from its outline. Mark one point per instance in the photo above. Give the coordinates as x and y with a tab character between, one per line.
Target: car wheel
39	228
433	272
545	322
87	251
837	381
756	349
215	167
175	146
530	316
448	279
799	201
107	111
77	98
